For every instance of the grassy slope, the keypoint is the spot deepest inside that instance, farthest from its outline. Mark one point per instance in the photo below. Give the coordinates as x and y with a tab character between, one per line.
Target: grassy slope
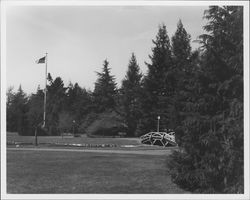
75	172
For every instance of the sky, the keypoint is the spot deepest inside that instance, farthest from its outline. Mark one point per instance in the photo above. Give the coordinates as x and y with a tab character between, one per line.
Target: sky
79	38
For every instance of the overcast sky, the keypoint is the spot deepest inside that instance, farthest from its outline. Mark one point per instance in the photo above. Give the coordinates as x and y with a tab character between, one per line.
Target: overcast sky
79	38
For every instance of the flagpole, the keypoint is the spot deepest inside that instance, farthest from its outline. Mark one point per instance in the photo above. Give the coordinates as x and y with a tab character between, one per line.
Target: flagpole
45	89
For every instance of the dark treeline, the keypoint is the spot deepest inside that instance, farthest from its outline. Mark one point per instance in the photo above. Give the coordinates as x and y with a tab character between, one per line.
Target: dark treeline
199	94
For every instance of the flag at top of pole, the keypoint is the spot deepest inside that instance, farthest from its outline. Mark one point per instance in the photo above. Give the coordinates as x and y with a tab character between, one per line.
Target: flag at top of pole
44	60
41	60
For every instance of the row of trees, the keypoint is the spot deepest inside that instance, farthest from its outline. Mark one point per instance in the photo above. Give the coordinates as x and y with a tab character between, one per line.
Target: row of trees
199	94
137	103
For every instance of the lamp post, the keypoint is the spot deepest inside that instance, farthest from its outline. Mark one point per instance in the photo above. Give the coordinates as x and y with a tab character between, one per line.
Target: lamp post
158	123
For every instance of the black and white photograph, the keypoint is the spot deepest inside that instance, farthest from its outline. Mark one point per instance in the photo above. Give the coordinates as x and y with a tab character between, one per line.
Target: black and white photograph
124	100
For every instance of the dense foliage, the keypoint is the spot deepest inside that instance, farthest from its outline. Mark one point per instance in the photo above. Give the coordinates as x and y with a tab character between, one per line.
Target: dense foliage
197	93
156	89
105	89
17	109
212	156
131	90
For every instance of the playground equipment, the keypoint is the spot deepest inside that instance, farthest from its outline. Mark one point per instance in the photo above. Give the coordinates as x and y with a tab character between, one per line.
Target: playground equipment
159	138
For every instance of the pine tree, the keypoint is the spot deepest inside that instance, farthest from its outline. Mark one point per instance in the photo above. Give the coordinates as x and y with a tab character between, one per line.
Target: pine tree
35	113
55	101
155	101
105	89
181	44
78	102
9	110
17	112
181	75
213	158
69	97
130	97
224	63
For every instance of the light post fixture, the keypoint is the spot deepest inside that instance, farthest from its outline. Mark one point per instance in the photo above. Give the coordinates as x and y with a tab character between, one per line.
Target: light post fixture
158	124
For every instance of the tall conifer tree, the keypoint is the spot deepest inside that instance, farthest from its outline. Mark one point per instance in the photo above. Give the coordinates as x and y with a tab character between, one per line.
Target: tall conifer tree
35	114
17	111
10	122
105	89
130	90
181	44
180	74
78	102
55	101
156	90
213	158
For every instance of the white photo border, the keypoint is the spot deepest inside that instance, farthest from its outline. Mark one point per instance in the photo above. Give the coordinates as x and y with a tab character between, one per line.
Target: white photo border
5	4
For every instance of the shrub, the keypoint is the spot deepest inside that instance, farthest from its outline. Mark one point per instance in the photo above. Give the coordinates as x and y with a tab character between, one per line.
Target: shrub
108	123
65	123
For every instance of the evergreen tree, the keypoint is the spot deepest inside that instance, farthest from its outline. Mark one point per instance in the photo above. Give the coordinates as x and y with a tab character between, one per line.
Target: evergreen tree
55	101
69	97
130	95
17	111
78	102
10	112
181	44
213	158
36	109
66	123
155	100
180	75
105	89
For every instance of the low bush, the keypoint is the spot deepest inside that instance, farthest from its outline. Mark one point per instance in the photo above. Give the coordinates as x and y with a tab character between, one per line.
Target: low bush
107	124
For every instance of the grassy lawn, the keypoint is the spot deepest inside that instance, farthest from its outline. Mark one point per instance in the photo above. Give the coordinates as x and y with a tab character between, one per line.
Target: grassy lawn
78	172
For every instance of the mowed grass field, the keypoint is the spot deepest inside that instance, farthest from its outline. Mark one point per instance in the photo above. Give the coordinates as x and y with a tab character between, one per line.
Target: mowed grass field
34	170
81	172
